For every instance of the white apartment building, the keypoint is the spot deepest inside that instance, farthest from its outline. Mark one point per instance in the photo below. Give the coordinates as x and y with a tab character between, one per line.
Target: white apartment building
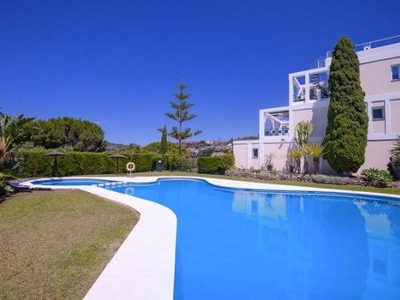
309	101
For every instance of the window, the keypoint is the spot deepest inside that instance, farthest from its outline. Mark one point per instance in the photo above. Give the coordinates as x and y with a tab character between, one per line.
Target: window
255	153
378	113
395	72
380	269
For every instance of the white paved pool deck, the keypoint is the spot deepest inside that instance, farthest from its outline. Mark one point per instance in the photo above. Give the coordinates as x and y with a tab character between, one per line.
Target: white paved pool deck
144	266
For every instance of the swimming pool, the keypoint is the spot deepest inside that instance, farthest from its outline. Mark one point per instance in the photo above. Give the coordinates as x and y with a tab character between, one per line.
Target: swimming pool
71	181
253	244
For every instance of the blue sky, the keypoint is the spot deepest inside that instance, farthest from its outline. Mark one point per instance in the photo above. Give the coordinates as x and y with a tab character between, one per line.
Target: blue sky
118	62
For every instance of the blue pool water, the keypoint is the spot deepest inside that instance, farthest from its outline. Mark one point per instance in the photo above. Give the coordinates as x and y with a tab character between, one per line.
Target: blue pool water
71	181
244	244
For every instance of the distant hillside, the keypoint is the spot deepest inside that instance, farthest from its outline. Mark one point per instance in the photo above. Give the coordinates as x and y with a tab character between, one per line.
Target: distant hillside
114	146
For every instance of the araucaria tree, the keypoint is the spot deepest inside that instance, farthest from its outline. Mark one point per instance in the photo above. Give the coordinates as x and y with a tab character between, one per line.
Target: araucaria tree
181	115
346	132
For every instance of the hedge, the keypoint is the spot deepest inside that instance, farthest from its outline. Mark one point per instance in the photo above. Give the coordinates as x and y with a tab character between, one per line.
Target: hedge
34	164
216	164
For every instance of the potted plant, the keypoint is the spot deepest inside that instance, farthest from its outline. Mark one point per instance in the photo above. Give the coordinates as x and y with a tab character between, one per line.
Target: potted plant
268	161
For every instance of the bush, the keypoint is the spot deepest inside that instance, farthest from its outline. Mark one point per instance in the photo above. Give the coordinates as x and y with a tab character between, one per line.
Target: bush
319	178
4	188
340	180
396	161
377	178
276	175
283	176
34	164
394	167
215	165
174	162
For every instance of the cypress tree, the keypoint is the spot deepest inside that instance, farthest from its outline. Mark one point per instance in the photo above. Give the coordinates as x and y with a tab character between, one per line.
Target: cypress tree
346	132
164	143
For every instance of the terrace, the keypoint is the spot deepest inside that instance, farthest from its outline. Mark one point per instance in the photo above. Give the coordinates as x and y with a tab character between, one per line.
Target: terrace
312	85
309	86
276	123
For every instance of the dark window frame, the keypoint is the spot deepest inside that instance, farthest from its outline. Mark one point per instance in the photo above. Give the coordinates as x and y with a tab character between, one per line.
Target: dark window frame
395	74
381	116
254	153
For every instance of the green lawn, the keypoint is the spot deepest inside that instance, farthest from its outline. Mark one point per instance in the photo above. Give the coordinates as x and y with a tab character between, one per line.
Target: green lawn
54	244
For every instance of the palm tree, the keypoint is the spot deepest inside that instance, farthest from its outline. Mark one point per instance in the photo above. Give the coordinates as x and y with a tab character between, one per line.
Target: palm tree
296	154
316	151
10	128
303	132
395	160
4	147
396	150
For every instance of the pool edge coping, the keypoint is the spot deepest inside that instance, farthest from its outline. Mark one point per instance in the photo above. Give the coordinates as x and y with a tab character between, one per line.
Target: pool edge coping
147	255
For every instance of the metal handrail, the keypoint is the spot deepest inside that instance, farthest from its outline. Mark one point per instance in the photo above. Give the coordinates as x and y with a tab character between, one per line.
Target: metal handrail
363	46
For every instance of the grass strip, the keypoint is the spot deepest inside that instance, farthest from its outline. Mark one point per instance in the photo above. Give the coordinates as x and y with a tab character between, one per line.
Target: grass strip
55	244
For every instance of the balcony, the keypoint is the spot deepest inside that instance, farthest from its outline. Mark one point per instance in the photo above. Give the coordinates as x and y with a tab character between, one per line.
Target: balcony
309	86
276	123
276	132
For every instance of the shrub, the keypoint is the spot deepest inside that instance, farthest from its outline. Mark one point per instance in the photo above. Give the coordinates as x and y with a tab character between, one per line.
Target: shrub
377	178
266	175
215	165
143	162
208	165
34	164
175	162
396	149
394	167
396	161
237	173
318	178
340	180
306	177
276	175
384	179
283	176
4	188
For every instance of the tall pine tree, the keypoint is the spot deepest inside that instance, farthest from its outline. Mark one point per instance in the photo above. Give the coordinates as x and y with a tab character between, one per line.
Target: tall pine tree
181	115
346	133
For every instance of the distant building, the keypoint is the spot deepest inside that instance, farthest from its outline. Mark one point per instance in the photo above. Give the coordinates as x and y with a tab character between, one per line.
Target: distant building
309	101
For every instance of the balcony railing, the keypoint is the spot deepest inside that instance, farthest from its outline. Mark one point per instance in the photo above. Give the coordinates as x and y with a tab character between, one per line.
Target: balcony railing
276	132
373	44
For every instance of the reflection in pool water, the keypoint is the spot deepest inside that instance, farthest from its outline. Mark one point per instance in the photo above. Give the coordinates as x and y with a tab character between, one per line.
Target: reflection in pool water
241	244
